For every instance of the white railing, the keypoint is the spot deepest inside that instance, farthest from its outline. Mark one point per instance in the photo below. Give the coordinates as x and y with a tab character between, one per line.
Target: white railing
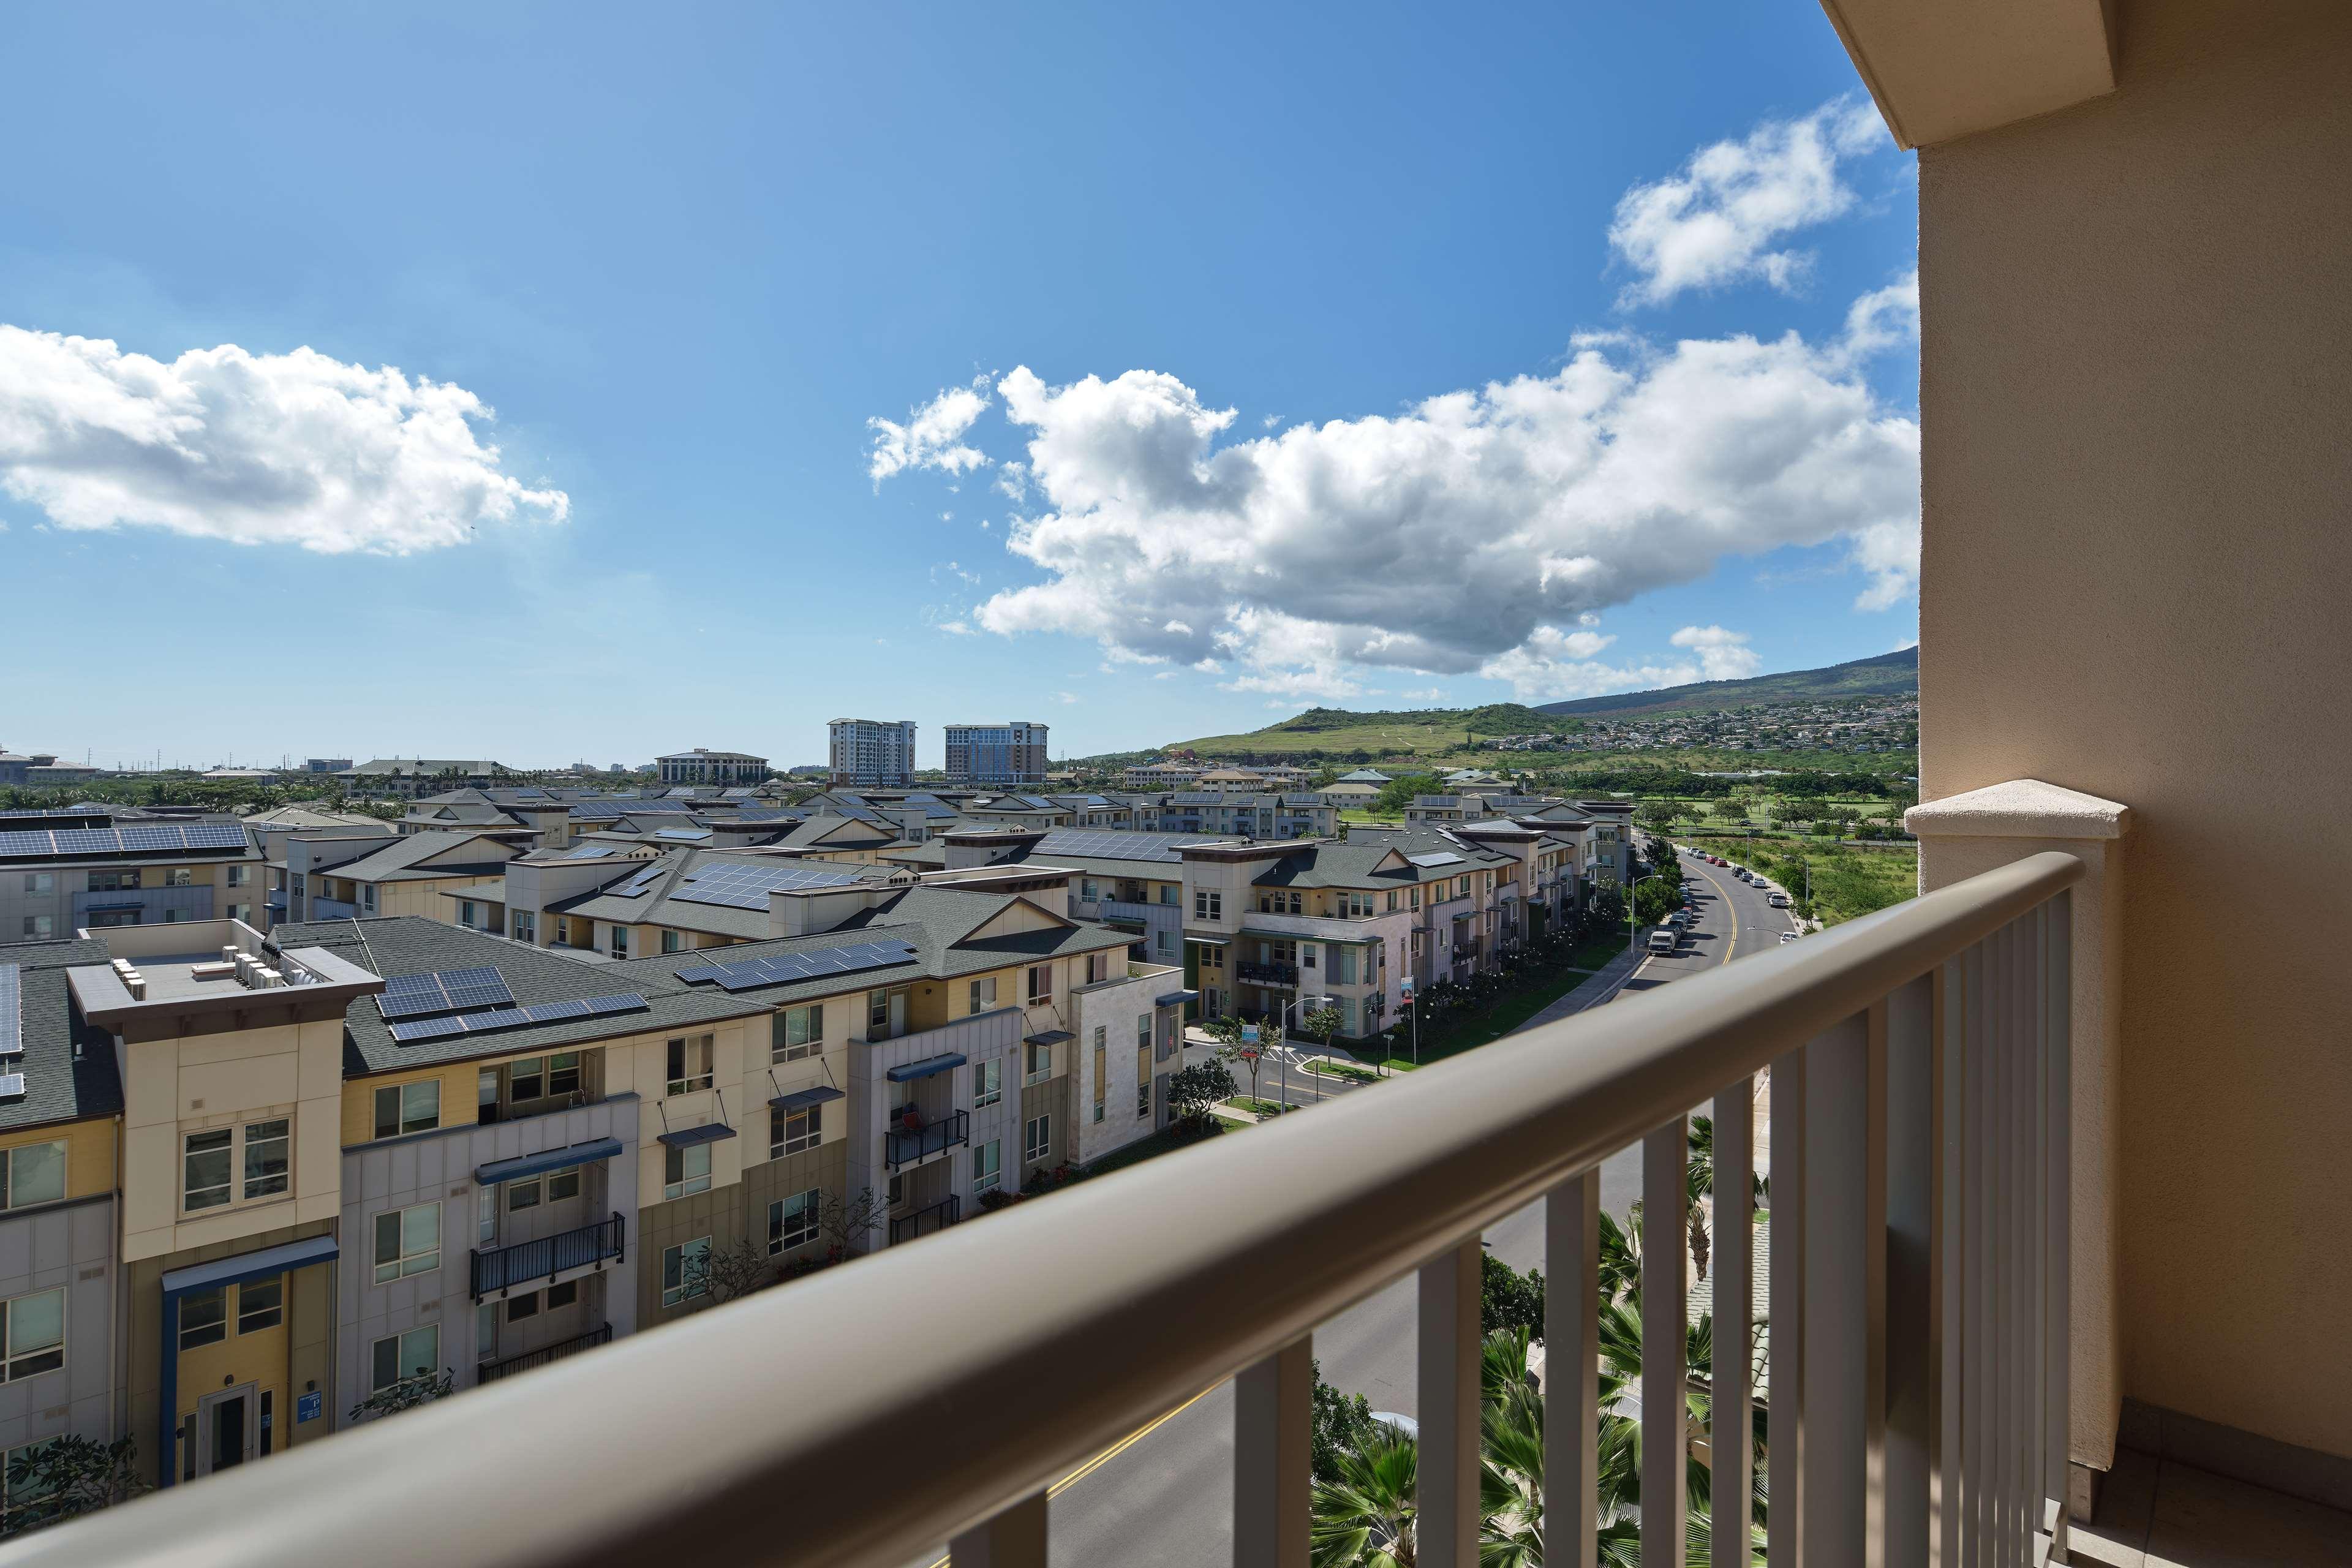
1917	1309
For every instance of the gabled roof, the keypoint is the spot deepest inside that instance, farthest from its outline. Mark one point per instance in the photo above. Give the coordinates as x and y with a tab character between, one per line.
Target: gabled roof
59	1085
1335	865
420	857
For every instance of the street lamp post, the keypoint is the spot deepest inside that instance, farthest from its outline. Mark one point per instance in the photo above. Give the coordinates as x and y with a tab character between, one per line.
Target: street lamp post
1301	1003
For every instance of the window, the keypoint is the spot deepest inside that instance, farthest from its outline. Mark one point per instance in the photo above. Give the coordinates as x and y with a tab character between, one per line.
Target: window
562	1295
1416	895
792	1222
206	1182
689	1064
260	1304
1040	985
1297	903
620	948
33	1174
987	1165
240	876
525	923
114	881
683	1271
486	1331
115	917
465	913
1166	943
1339	964
367	896
797	1032
790	1132
1142	1081
527	1080
1212	955
408	1108
521	1307
203	1318
1098	966
1037	1138
1461	887
1089	891
1168	893
486	1216
988	1083
685	1171
407	1241
984	994
1208	906
41	883
404	1356
523	1195
563	1073
670	942
1102	1072
562	1184
1041	1064
265	1165
40	925
179	876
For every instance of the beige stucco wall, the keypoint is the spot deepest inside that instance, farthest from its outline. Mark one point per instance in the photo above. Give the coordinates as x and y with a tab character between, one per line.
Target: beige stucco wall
2136	474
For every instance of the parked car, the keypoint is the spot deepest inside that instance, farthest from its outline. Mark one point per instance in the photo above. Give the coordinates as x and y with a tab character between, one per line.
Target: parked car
1787	936
1778	901
1664	939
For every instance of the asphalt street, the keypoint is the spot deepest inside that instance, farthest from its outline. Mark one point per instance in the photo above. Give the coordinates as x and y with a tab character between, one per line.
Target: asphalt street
1165	1495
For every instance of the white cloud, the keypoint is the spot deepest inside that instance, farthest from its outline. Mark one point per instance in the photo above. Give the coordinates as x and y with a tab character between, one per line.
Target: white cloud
961	627
1441	538
1065	696
1426	694
1883	318
1166	675
1721	218
1722	654
932	437
1012	480
1889	552
293	448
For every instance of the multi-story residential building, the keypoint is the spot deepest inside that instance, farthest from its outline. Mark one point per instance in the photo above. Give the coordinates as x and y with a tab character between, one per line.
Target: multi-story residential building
64	873
699	766
405	778
38	769
325	765
406	874
293	851
1162	775
1005	755
871	751
1252	816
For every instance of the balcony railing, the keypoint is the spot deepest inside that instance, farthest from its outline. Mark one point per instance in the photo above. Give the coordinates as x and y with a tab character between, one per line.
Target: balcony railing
601	1334
1917	1302
504	1268
938	1216
902	1147
1267	973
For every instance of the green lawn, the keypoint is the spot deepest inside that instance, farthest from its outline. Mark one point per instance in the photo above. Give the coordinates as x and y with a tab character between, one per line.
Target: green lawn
1467	1030
1160	1143
1259	1107
1343	1069
1598	949
1847	882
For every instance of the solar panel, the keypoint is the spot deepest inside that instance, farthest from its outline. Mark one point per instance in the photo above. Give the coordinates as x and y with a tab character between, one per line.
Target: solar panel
589	852
638	883
441	991
784	968
146	840
735	886
1114	844
12	1086
493	1019
12	1010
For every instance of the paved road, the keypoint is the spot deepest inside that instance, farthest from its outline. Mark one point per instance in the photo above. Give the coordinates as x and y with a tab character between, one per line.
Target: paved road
1165	1497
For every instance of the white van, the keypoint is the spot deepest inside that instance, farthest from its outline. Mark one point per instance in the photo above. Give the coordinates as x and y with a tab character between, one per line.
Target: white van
1663	940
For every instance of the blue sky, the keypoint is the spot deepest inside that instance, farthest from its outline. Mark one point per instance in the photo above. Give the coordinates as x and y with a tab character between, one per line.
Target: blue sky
691	259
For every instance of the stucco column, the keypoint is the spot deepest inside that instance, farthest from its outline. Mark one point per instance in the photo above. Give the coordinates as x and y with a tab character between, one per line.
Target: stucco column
1959	836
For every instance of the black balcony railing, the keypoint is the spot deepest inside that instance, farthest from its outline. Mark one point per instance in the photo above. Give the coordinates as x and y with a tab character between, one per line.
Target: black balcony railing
493	1371
938	1216
905	1146
1269	974
504	1268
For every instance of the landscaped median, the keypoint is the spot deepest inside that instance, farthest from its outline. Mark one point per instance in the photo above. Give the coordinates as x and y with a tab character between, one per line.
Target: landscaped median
1466	1025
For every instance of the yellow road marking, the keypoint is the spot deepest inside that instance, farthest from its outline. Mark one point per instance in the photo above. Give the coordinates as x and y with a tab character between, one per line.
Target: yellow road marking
1108	1455
1734	946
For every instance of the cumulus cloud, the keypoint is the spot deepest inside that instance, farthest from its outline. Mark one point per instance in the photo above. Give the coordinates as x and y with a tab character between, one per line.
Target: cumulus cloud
932	437
1427	694
294	448
1441	538
1721	218
1722	654
1884	319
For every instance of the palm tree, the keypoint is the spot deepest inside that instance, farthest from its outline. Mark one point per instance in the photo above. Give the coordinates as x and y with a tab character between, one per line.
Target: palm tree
1366	1519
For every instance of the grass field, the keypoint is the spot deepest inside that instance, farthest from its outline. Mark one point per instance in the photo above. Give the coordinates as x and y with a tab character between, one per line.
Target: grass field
1463	1031
1165	1140
1259	1107
1846	882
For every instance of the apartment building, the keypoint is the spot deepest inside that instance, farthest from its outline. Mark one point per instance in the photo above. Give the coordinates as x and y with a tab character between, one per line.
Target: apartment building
700	766
1256	815
871	751
41	769
61	873
405	778
1004	756
406	875
1162	775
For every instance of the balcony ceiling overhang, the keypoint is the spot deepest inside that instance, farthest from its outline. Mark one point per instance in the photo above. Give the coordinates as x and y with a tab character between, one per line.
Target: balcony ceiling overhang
1950	69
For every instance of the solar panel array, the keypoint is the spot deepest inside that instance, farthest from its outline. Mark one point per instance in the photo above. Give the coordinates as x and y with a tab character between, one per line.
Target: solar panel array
125	840
637	885
1116	844
12	1010
490	1020
441	991
815	963
741	886
589	852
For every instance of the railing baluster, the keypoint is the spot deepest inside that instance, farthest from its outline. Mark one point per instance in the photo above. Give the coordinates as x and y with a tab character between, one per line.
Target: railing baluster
2025	1235
1946	1316
1014	1538
2058	1156
1571	1382
1274	1415
1838	1313
1910	1150
1449	1359
2001	1023
1666	1377
1976	1294
1731	1435
1784	1427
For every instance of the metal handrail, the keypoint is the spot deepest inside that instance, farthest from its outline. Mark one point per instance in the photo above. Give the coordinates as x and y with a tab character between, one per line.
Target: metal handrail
900	1147
504	1268
492	1372
945	1212
1279	1231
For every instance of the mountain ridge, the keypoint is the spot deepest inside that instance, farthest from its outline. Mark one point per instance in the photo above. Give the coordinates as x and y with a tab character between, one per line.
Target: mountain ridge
1881	675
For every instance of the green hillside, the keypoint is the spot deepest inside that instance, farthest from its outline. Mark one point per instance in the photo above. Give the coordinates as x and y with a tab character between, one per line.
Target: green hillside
1420	732
1885	675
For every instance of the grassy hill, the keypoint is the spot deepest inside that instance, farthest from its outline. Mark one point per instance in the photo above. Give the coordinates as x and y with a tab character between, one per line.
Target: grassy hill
1420	732
1884	675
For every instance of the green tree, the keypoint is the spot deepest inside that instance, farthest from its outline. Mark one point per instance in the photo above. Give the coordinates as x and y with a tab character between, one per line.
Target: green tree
1398	792
422	1386
66	1478
1508	1299
1342	1423
1654	901
1195	1089
1324	1024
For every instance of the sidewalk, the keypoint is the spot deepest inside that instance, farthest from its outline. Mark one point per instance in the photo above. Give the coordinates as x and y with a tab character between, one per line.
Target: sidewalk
1605	983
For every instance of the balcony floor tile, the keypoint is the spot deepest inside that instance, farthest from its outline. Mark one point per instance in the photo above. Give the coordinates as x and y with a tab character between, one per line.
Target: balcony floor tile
2160	1513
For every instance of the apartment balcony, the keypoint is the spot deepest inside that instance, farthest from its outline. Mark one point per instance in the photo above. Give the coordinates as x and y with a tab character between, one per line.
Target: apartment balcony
1313	928
500	1269
1136	910
923	1221
602	1334
1282	974
903	1148
1915	1321
324	908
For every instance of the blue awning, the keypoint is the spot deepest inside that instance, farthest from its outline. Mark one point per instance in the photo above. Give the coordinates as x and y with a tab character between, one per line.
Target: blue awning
801	1097
1050	1038
547	1160
925	1067
1172	997
687	1137
248	1266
